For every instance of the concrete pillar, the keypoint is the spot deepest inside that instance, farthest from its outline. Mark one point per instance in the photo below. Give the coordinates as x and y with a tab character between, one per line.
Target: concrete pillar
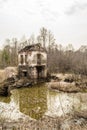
45	72
19	60
24	59
35	73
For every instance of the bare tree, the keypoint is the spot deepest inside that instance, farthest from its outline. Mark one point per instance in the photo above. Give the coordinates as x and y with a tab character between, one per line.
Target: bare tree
15	49
31	40
43	34
39	39
51	40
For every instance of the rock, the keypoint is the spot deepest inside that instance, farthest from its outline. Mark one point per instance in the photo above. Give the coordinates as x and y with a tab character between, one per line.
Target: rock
69	80
3	90
5	86
27	84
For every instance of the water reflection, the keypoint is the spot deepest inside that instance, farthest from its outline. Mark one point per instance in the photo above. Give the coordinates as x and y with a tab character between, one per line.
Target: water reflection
5	99
31	101
38	101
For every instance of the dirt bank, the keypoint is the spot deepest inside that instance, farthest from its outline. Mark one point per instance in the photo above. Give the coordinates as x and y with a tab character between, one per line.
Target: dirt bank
66	87
12	83
68	83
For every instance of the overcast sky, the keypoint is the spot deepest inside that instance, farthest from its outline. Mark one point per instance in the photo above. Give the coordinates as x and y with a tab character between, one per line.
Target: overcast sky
67	19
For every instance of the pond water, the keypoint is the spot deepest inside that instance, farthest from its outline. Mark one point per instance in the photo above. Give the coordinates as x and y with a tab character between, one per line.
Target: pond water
37	101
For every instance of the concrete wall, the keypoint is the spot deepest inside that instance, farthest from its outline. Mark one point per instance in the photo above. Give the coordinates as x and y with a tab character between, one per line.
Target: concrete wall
32	67
32	58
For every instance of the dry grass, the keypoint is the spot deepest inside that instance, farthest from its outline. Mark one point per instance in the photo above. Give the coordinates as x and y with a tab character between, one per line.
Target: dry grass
7	72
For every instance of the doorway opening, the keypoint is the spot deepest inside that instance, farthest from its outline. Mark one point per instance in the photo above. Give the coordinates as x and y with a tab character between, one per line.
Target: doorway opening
40	72
24	73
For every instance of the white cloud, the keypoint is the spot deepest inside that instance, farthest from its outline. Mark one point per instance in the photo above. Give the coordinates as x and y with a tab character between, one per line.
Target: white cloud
76	7
18	17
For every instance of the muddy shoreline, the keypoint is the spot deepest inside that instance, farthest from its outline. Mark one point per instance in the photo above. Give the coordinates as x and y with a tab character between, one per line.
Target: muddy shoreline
9	84
68	84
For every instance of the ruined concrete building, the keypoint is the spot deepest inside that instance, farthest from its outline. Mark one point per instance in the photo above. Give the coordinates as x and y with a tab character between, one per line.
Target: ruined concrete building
32	62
